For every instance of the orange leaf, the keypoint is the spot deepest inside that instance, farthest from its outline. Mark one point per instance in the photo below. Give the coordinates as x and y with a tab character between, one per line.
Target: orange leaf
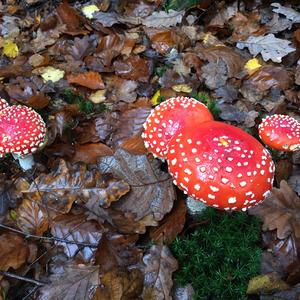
90	80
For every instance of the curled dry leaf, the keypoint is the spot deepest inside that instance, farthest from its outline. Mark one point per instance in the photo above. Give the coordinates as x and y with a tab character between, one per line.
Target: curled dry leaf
159	266
75	228
171	225
76	282
151	190
281	211
134	145
13	251
91	80
32	217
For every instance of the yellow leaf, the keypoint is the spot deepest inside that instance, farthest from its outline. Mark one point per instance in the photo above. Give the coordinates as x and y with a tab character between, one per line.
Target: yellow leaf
183	88
252	65
154	99
52	74
10	49
89	10
98	96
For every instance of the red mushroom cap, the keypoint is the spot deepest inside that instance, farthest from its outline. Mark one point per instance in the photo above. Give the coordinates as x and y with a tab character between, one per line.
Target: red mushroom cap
3	103
169	117
22	130
221	165
280	132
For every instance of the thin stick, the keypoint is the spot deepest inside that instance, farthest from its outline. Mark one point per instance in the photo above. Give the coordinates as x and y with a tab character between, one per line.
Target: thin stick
27	235
14	276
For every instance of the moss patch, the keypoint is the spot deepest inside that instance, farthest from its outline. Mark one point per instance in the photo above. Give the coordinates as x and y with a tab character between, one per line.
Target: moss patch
220	257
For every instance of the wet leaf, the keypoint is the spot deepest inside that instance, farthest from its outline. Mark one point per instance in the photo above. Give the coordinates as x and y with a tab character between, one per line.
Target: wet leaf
268	46
89	79
152	187
13	251
32	217
76	282
171	225
163	19
159	266
281	211
75	228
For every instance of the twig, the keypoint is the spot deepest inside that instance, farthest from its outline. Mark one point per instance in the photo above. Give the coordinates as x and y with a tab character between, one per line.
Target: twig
27	235
11	275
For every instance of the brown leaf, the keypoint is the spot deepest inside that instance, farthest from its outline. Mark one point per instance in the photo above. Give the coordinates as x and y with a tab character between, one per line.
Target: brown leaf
75	228
76	282
91	80
38	101
281	211
89	153
86	132
13	251
134	145
134	68
159	266
171	225
32	217
283	170
121	284
150	187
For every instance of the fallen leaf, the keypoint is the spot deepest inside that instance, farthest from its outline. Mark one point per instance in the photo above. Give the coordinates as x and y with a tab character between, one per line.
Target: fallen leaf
89	79
155	98
266	283
89	10
281	211
13	251
52	74
98	96
152	188
252	65
32	217
10	49
76	229
268	46
171	225
76	282
159	266
163	19
288	12
134	145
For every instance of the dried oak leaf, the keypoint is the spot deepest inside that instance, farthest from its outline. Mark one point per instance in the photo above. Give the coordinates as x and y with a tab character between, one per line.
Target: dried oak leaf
159	266
14	251
76	282
69	183
76	228
151	190
280	211
32	217
171	225
121	284
91	80
134	68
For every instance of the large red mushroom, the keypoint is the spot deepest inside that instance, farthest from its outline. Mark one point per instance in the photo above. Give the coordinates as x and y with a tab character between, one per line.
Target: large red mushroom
170	117
220	165
22	132
280	132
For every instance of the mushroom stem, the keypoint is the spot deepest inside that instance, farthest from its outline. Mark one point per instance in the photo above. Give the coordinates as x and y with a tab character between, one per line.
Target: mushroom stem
26	162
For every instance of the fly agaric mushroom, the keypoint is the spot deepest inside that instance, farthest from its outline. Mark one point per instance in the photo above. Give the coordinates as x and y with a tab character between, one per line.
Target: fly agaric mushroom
280	132
22	132
169	117
221	165
3	103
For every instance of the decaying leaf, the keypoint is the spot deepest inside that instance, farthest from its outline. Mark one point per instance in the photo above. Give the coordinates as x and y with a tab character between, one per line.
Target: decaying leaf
268	46
76	282
151	190
75	228
89	79
159	266
13	251
288	12
281	211
163	19
52	74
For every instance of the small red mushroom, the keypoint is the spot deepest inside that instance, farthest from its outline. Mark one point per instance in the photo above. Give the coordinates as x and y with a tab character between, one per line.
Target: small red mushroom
3	103
221	165
22	132
169	117
280	132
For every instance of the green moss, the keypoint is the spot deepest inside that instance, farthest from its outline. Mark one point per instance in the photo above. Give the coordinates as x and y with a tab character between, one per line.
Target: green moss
220	257
179	4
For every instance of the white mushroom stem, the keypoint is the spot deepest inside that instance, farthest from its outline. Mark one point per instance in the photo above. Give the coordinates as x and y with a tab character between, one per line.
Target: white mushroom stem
26	162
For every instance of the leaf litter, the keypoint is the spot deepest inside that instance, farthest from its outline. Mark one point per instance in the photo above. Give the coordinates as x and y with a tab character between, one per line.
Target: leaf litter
81	224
